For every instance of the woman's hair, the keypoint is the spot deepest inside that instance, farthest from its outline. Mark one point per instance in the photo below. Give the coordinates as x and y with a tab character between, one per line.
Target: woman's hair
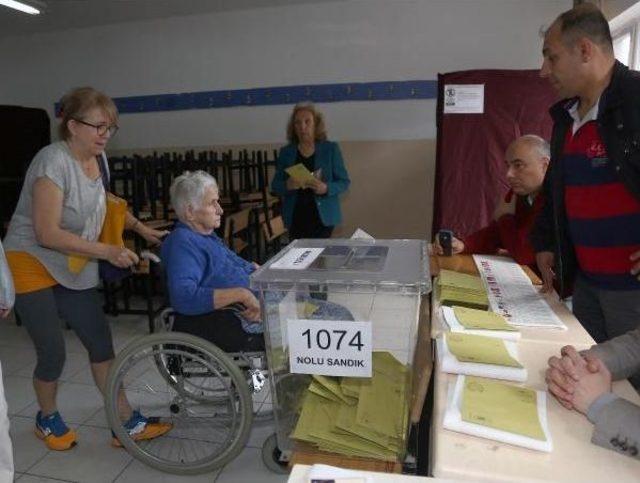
76	103
188	189
320	129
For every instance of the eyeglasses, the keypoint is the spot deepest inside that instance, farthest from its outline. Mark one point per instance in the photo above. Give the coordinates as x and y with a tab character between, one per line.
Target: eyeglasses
101	129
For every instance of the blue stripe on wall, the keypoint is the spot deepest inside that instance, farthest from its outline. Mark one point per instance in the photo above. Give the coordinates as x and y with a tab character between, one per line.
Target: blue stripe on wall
271	96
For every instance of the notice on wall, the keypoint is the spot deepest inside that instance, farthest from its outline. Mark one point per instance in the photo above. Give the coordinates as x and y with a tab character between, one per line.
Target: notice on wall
330	347
297	259
464	98
512	295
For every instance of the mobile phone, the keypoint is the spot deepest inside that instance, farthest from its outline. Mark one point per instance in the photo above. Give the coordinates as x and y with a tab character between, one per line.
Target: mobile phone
445	239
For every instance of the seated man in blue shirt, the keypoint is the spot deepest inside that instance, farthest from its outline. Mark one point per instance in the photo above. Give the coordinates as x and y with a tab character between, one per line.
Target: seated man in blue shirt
208	283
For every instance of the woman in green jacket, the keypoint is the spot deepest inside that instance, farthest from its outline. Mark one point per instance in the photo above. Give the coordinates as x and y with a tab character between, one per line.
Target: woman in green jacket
310	209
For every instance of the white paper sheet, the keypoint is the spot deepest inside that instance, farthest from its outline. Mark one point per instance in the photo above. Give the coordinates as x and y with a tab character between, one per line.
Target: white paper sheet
512	295
326	472
360	234
464	98
297	259
453	421
451	365
455	326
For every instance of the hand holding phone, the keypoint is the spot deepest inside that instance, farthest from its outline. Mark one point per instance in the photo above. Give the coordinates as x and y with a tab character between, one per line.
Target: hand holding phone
445	239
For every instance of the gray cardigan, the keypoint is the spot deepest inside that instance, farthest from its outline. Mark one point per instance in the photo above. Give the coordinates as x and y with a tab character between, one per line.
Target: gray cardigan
616	420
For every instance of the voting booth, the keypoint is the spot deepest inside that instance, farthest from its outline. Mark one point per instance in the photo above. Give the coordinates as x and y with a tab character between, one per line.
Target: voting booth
341	326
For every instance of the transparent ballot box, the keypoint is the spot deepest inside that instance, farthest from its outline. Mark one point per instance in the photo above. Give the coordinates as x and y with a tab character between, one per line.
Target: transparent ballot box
341	326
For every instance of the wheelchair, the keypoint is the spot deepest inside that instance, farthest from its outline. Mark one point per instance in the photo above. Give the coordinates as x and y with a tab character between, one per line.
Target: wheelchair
206	394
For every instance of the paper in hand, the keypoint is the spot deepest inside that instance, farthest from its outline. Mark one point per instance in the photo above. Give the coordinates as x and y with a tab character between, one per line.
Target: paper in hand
300	173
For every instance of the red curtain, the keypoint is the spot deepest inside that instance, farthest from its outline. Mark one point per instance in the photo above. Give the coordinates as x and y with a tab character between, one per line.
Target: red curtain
470	167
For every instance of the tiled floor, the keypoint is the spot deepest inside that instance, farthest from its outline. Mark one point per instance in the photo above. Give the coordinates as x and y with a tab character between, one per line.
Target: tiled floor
94	460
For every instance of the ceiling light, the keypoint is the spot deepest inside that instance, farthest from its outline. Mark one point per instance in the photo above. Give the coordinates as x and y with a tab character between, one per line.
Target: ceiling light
23	6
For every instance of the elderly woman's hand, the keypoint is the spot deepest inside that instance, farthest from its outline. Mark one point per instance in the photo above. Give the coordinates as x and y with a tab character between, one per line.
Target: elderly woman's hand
121	257
252	307
4	313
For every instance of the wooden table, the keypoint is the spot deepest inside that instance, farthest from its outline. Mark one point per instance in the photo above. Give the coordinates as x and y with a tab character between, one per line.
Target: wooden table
465	264
299	474
574	458
574	335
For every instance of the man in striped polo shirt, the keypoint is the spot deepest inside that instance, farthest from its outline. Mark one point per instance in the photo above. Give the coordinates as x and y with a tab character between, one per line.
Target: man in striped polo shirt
588	233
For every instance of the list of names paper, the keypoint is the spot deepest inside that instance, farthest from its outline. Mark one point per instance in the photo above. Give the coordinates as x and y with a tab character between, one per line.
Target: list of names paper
512	295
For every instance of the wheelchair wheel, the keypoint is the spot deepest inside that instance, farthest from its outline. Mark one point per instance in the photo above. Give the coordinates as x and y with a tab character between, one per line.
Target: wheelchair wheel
272	456
208	430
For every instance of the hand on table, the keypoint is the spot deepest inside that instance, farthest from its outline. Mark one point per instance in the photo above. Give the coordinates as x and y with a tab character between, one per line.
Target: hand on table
545	261
576	380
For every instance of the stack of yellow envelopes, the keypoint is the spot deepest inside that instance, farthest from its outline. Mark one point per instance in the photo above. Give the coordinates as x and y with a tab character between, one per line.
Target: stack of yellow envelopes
364	417
462	289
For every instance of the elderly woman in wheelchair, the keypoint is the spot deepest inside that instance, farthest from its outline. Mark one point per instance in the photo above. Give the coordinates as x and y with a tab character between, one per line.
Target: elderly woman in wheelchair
190	376
208	283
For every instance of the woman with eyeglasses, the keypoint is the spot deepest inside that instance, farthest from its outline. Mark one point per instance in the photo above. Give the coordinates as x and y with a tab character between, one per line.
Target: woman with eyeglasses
57	222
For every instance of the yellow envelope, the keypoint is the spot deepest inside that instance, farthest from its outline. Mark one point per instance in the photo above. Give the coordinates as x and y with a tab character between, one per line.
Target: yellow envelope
346	421
306	309
460	280
351	385
481	319
501	406
320	390
316	412
333	386
381	405
481	349
300	173
386	363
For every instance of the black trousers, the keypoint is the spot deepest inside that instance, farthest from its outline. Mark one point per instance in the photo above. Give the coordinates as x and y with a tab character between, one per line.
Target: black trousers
319	231
221	327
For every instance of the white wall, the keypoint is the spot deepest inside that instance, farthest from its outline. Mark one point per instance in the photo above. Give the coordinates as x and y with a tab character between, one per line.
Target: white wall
355	41
613	8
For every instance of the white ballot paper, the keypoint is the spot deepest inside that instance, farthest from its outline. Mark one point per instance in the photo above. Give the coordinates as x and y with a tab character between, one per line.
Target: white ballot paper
512	295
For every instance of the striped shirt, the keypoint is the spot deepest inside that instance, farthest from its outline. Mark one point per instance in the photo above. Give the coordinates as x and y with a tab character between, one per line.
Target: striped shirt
604	217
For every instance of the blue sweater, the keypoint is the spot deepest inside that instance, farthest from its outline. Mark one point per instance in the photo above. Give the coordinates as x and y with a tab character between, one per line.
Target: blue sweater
196	265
